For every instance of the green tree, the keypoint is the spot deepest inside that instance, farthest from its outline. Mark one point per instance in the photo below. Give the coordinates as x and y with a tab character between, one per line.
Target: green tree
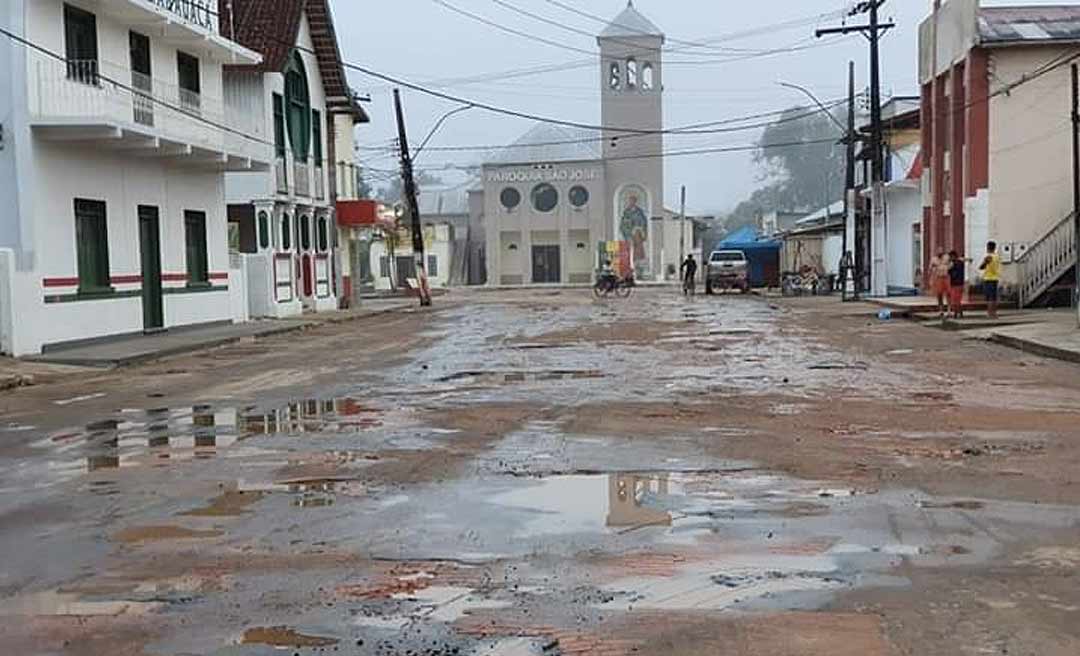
392	192
795	177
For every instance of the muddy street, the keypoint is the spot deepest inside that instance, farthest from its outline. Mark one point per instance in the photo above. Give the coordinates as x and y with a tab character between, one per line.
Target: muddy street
537	472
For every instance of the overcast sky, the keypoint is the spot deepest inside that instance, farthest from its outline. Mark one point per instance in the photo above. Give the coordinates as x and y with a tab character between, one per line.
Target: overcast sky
424	42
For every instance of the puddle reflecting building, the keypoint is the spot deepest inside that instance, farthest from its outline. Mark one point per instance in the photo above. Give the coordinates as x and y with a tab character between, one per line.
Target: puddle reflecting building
626	496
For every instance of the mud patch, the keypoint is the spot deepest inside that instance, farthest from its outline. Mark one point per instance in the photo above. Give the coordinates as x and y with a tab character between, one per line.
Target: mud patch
281	636
142	534
231	503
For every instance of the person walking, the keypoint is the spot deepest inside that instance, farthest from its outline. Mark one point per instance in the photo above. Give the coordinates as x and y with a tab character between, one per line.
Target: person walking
957	278
688	269
991	268
939	280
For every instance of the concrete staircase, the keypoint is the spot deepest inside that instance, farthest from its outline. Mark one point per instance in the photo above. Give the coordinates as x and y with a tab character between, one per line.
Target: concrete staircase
1046	261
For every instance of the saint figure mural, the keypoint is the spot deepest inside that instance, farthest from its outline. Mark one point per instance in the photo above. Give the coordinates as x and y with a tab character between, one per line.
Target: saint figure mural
634	225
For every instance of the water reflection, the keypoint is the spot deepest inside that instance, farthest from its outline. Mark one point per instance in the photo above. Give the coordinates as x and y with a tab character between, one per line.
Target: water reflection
165	435
627	494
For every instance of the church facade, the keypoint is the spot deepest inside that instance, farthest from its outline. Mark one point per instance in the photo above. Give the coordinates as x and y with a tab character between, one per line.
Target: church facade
553	199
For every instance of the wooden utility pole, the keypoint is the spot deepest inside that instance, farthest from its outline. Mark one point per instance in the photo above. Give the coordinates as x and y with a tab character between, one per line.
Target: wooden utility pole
873	31
1076	180
682	226
849	186
411	206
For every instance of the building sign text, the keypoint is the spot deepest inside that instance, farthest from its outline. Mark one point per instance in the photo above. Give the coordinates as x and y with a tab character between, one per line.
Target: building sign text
201	13
544	175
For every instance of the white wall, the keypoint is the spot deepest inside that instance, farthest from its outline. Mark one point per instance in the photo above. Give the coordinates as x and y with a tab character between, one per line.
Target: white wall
64	171
7	273
904	206
1030	149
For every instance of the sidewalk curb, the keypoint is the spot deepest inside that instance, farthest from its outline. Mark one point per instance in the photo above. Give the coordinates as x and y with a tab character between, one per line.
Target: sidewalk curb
1036	348
286	326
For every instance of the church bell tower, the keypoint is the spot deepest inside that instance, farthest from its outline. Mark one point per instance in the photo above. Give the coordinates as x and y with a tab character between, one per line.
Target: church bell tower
632	85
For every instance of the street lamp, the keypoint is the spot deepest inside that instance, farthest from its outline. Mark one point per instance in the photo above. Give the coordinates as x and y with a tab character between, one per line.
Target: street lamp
811	96
438	124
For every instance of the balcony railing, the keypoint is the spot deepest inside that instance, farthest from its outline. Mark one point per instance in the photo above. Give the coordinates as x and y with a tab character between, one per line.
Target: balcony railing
320	183
281	174
302	178
143	101
190	101
97	91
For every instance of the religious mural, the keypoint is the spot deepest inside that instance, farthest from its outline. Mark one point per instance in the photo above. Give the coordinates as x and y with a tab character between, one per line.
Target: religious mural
634	225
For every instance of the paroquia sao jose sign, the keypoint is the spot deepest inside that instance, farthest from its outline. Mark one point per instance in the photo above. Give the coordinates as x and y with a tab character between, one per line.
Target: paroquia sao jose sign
543	175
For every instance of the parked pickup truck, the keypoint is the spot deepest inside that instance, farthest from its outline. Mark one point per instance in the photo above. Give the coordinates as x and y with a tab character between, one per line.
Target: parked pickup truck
727	270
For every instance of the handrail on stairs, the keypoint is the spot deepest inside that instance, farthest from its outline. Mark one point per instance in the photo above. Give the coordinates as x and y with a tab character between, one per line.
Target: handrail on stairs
1046	260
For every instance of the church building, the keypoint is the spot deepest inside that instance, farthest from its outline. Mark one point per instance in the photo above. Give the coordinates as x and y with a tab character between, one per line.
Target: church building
551	198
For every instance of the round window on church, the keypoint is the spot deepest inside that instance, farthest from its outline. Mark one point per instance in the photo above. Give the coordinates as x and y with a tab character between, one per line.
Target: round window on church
544	197
579	196
510	198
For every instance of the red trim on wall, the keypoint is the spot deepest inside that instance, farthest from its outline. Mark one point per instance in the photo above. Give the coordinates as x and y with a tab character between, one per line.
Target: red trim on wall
59	282
956	154
129	279
174	277
978	122
219	275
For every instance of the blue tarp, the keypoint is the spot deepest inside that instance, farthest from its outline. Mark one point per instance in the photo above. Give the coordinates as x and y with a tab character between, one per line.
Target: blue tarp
747	238
763	255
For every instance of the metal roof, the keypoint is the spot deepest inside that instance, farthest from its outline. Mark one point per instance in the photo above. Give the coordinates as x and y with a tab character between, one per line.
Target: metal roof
630	23
546	142
1045	23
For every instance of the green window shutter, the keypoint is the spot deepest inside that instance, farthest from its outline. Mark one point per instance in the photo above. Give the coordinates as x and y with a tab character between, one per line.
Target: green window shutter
286	233
316	137
279	125
198	268
264	229
92	246
324	241
298	108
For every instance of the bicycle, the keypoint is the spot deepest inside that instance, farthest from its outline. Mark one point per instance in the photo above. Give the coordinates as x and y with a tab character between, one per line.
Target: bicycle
620	287
689	287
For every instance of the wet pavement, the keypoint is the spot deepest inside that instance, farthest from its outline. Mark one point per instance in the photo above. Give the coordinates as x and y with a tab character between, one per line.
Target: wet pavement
547	474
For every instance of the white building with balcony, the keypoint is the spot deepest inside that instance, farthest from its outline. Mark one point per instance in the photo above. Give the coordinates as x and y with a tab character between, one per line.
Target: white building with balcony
116	136
285	216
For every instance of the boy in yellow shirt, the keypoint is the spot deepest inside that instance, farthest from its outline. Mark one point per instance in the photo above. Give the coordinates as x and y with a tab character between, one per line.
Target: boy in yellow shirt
991	268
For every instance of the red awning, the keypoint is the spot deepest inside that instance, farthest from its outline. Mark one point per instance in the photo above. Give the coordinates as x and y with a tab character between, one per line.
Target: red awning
357	212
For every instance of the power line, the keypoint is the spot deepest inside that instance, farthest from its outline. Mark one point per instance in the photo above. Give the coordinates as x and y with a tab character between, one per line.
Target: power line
686	131
532	37
705	43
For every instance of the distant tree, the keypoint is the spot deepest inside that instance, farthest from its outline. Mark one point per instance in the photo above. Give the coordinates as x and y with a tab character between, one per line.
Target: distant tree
392	192
795	177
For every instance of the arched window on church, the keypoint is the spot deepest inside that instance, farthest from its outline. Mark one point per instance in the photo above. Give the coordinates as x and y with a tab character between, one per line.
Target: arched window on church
615	81
648	81
631	73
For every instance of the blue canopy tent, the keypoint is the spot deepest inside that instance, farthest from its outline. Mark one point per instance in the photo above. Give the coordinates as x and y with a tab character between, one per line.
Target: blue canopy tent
763	254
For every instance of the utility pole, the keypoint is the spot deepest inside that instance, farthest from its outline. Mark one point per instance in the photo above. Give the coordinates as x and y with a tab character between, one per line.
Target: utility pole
1076	179
849	191
411	206
682	226
873	31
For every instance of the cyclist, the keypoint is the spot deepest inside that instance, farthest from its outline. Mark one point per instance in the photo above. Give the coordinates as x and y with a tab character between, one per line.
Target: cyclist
607	276
688	269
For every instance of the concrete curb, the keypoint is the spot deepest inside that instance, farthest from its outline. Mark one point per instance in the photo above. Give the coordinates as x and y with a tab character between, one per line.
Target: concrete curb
1036	348
287	326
